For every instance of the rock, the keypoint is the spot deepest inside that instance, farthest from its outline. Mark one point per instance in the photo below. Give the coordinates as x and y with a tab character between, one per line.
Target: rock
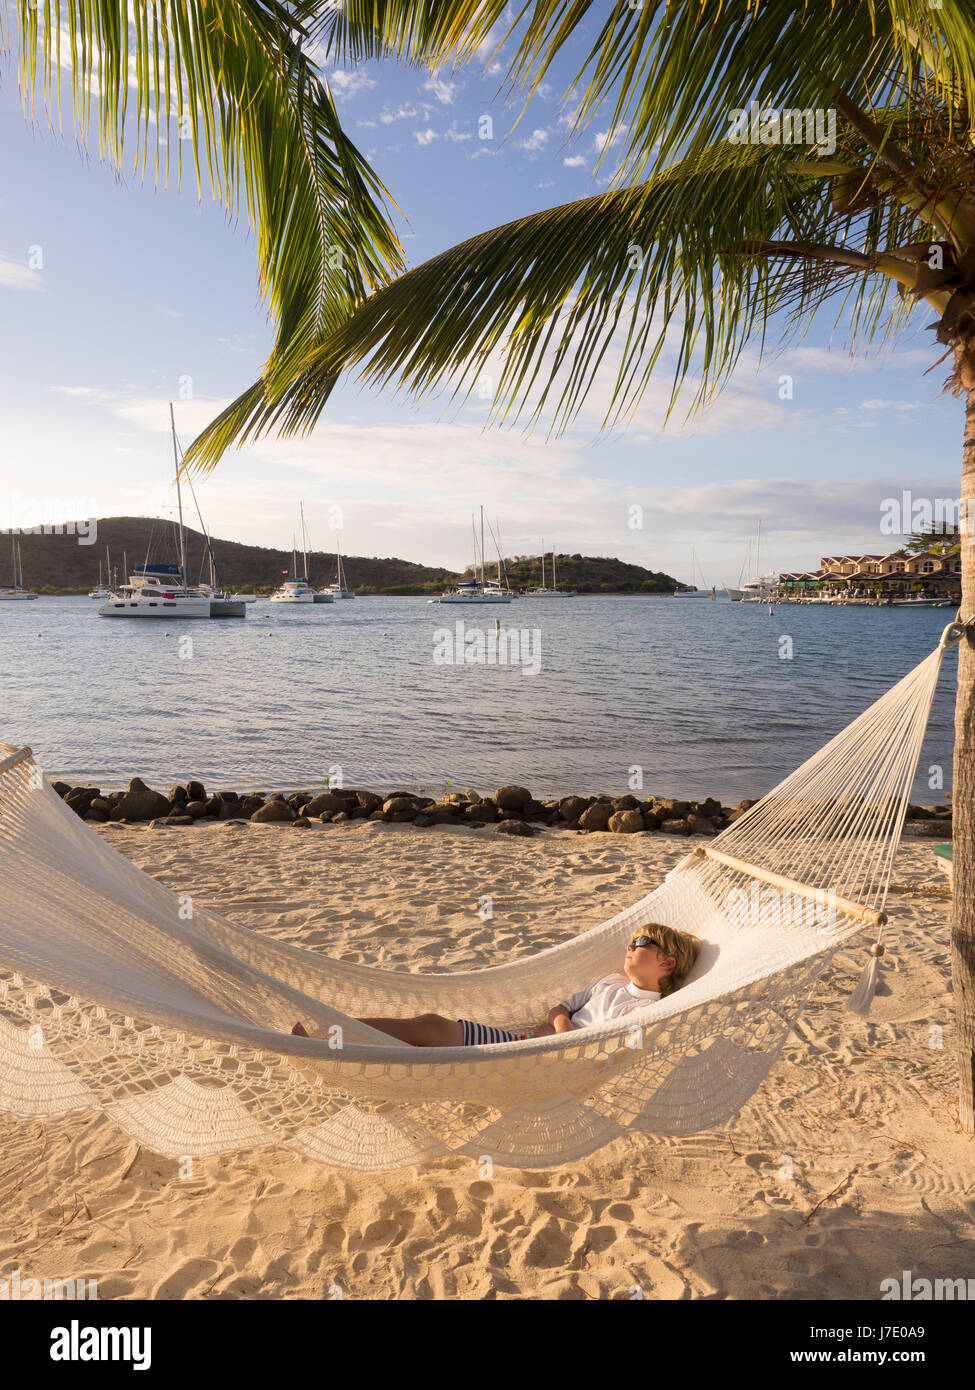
62	788
100	804
301	823
626	822
626	803
273	811
95	815
81	796
671	810
400	817
369	801
597	816
196	809
179	820
913	812
709	807
212	805
572	807
251	804
228	796
937	828
745	805
514	827
675	827
650	821
534	810
396	805
454	796
339	815
229	809
701	825
179	793
423	821
378	814
511	798
482	812
142	803
196	791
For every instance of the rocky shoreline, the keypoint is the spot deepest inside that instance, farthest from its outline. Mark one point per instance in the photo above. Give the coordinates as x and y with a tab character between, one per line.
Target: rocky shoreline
511	810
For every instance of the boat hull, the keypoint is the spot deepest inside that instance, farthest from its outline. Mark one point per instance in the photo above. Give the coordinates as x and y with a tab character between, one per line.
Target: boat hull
156	608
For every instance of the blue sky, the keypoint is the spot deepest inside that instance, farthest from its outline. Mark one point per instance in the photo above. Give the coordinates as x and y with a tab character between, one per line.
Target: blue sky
140	289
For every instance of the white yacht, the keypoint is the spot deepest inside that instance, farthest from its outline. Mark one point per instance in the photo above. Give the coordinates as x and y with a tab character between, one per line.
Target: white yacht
16	590
103	587
297	589
244	598
760	589
156	591
554	591
338	589
473	591
478	589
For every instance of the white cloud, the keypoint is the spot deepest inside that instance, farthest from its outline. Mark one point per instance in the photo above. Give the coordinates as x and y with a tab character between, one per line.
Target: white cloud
458	136
536	141
349	83
425	137
877	404
575	161
14	275
604	140
405	111
442	89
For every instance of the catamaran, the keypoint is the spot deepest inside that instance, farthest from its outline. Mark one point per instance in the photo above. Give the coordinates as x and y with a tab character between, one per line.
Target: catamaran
479	589
554	591
102	589
297	589
16	590
338	589
157	590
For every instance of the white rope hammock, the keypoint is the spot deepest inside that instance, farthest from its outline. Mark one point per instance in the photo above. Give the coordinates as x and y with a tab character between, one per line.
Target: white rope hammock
180	1030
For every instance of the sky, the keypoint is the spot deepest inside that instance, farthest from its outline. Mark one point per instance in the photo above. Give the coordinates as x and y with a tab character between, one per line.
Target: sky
117	297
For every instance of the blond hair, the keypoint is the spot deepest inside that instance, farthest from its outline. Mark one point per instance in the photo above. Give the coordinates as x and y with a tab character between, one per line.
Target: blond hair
680	944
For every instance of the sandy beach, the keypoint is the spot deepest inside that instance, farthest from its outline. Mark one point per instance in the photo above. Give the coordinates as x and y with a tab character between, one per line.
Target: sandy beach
846	1168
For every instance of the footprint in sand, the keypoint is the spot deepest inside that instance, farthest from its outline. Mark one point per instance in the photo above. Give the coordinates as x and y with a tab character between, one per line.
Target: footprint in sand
189	1277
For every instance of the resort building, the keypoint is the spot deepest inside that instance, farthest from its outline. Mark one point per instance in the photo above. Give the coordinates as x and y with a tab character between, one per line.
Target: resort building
930	574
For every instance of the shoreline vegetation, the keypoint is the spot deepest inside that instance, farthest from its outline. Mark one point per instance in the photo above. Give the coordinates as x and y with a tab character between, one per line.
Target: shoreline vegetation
510	810
57	566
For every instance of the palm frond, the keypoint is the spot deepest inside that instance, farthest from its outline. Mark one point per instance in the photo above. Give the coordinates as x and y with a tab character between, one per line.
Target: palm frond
559	295
227	93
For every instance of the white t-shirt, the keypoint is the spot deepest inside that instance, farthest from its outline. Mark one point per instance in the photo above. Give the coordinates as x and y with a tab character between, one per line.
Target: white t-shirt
611	997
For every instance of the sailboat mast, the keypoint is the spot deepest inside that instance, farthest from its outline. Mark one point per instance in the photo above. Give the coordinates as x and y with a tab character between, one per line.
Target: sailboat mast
543	562
179	500
482	543
554	582
304	539
758	554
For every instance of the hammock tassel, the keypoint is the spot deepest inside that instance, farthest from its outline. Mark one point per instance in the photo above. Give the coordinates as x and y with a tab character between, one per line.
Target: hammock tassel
862	997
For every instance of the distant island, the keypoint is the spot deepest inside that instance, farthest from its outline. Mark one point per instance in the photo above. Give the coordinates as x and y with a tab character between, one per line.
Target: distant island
57	564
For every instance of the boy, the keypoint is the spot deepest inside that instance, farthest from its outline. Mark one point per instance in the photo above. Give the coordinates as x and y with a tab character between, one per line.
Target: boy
657	961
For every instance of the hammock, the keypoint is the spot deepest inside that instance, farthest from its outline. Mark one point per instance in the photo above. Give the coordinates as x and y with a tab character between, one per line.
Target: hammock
179	1030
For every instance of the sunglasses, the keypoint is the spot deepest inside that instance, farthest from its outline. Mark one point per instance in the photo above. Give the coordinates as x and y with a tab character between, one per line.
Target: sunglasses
643	941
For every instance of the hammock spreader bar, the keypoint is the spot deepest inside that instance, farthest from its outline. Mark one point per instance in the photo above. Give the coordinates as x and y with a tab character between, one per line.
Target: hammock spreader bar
824	897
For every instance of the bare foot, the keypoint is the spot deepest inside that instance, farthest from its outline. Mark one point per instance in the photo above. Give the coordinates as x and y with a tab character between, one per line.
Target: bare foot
299	1031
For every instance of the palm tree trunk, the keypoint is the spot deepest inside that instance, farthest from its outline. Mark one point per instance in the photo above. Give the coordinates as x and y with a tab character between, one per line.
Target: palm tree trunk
963	796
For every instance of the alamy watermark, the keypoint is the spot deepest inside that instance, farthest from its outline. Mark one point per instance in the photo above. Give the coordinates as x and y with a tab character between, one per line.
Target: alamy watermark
17	1289
49	516
764	125
922	1290
900	516
472	646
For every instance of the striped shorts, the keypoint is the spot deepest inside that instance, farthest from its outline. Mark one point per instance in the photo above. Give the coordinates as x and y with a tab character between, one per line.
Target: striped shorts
477	1034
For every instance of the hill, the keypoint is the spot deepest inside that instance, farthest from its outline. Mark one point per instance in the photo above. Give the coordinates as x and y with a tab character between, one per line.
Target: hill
58	564
588	574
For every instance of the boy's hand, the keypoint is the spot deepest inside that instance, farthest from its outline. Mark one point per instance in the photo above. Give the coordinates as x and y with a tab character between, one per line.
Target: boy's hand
563	1023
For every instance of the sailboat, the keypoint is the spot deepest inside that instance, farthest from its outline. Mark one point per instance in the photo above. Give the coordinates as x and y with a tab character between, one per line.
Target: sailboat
338	589
16	590
297	589
101	590
478	590
157	590
761	588
554	591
